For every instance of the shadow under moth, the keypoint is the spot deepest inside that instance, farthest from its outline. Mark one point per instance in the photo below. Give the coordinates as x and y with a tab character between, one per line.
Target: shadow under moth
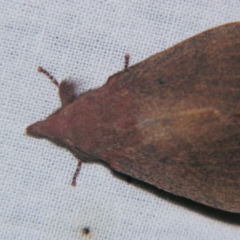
172	120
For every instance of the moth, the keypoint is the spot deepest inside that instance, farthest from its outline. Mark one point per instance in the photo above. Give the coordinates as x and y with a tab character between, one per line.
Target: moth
172	120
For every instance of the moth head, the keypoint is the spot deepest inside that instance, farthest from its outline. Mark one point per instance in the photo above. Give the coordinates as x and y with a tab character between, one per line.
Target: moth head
35	130
52	127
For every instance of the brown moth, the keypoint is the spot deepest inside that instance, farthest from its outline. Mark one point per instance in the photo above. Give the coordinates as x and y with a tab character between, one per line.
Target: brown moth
172	120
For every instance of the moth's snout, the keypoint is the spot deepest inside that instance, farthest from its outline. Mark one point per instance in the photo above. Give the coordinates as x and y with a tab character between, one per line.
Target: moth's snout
35	130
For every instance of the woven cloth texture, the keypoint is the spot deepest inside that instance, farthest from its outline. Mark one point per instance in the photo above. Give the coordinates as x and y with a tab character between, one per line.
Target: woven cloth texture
86	41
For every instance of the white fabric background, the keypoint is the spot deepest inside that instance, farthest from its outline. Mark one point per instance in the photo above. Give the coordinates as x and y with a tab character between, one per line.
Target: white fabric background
87	40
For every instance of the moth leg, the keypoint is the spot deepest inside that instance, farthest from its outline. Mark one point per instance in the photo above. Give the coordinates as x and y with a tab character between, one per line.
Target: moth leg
66	88
42	70
76	173
126	62
67	92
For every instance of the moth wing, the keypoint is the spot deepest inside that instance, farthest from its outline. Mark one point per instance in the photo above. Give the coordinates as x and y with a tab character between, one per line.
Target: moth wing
187	135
